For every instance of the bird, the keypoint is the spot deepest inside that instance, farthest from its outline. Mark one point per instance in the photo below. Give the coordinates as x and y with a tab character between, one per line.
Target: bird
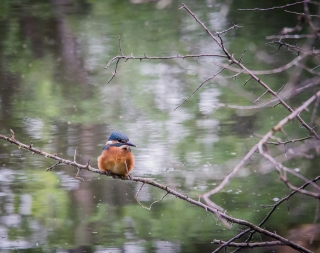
116	157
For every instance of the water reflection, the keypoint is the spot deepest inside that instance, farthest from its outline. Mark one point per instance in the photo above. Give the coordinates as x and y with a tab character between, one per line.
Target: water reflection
54	92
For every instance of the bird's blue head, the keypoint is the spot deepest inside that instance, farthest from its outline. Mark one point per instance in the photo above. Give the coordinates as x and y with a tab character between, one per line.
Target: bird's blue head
119	139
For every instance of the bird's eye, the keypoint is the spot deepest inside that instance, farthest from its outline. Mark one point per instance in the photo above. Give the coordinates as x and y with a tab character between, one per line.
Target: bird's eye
123	141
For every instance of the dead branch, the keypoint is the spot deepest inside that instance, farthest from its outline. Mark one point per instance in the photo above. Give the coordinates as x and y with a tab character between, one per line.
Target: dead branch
279	127
301	14
226	179
250	245
294	114
309	21
294	48
117	59
148	208
274	207
232	60
316	216
291	36
303	86
288	141
259	147
165	188
230	28
205	81
314	112
279	7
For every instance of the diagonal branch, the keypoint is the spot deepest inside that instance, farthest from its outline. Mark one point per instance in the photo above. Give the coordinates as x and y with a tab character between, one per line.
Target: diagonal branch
275	7
223	215
250	245
274	207
259	147
208	79
232	60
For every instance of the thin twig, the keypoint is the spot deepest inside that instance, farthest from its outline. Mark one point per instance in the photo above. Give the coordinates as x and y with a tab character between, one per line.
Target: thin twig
208	79
314	111
301	14
264	93
78	175
289	141
247	81
290	36
148	208
230	28
316	216
52	166
272	8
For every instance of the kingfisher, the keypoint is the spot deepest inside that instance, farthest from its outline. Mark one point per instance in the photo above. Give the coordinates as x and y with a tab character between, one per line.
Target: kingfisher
116	156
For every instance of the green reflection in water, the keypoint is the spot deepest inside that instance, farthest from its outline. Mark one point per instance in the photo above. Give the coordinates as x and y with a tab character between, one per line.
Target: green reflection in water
54	91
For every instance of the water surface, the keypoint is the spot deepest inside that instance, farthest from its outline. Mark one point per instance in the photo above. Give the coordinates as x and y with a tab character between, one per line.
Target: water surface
55	93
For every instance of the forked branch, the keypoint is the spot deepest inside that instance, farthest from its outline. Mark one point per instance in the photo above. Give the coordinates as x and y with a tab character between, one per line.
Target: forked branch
165	188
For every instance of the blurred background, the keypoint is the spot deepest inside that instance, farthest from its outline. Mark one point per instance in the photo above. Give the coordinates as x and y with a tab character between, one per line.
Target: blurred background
54	91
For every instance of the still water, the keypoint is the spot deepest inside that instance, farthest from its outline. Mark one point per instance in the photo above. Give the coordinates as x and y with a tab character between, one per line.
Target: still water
55	93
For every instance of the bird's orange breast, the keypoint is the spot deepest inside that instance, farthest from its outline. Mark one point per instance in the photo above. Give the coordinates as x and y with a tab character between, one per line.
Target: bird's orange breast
116	160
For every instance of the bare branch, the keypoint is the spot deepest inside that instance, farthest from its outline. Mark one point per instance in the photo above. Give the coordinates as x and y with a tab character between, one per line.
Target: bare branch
272	71
316	216
260	97
301	14
279	127
304	192
273	8
294	114
314	112
291	36
168	190
12	133
240	59
230	174
235	75
140	58
274	207
259	147
288	141
52	166
294	48
309	21
231	28
204	27
148	208
117	59
208	79
115	71
250	245
239	64
78	175
247	81
120	48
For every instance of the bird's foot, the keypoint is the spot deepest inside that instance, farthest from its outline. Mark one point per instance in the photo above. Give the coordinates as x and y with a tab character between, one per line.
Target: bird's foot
101	172
126	177
107	173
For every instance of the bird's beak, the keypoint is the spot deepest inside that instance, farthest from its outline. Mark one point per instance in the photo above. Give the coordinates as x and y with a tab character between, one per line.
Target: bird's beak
130	144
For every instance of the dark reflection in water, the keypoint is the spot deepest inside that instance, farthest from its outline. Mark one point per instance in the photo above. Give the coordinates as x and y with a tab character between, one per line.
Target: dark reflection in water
54	91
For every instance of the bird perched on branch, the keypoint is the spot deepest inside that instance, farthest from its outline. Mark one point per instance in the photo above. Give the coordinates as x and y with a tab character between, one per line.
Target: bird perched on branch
116	156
